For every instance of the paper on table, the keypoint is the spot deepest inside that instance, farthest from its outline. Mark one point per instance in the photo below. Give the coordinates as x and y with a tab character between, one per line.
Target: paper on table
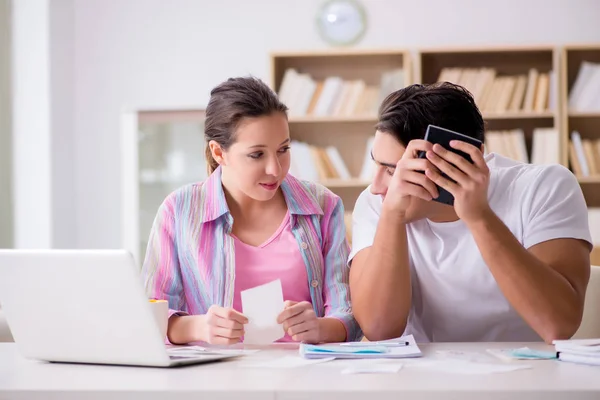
354	350
461	355
372	367
464	367
287	362
522	353
262	305
197	350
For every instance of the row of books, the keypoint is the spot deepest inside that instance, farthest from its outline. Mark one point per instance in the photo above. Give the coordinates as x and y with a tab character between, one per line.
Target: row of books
318	164
512	144
532	92
585	92
584	155
334	96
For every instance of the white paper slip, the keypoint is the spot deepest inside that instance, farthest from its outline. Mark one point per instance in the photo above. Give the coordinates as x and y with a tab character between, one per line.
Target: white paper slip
522	353
196	350
262	305
372	369
465	367
286	362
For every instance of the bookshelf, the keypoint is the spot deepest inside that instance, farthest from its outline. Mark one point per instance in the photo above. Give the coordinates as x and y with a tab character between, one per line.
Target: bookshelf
581	116
580	87
516	89
333	98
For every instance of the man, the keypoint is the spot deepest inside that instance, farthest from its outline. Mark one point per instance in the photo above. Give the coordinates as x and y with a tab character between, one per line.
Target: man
508	262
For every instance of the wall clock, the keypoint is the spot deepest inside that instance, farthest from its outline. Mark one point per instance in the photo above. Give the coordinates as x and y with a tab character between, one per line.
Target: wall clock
342	22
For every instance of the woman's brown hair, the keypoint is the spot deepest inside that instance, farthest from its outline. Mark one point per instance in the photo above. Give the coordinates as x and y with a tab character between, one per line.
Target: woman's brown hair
230	102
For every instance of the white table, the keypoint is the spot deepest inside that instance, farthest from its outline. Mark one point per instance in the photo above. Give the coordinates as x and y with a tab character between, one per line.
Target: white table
27	379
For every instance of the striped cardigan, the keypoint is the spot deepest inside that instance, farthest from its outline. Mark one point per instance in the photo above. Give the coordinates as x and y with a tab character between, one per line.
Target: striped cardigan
190	259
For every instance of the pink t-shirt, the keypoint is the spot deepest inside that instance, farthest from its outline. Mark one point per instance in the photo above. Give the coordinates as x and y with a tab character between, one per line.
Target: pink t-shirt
277	258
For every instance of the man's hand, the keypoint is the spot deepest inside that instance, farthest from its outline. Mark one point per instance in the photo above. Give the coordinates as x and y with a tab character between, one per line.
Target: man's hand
472	180
408	180
300	322
222	325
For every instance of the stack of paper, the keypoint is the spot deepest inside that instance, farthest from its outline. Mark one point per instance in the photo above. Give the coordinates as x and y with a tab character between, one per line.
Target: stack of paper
395	348
581	351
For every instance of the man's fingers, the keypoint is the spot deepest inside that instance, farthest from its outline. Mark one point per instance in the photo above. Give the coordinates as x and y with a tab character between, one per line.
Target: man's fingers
456	160
475	153
419	179
415	147
415	164
443	182
449	168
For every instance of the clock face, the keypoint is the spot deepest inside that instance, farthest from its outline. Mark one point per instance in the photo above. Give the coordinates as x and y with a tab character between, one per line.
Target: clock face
342	22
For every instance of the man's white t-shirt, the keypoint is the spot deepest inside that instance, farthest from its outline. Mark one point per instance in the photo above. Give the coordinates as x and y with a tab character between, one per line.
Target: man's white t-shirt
454	295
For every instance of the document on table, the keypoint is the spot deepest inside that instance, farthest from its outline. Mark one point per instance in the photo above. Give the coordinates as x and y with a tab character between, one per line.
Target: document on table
372	366
286	362
395	348
192	351
463	367
262	305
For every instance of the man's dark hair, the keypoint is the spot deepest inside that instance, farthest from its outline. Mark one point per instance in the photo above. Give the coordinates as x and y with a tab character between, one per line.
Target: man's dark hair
406	113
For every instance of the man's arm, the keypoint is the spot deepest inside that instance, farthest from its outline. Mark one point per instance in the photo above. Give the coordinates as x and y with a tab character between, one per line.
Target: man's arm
545	284
380	273
380	281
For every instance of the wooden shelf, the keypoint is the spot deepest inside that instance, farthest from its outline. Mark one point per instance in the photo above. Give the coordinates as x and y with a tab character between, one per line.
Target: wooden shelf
337	53
587	123
350	133
588	179
584	114
308	119
345	183
519	115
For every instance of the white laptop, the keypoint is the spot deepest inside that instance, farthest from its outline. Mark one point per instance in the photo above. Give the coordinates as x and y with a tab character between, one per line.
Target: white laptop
83	306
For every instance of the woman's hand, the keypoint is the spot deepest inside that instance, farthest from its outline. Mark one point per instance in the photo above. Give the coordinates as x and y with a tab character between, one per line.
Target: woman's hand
222	325
300	322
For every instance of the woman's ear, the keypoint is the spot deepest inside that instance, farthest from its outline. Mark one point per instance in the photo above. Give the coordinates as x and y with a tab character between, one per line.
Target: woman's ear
217	152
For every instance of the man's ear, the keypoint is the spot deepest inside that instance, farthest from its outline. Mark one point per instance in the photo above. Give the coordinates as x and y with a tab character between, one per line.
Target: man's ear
217	152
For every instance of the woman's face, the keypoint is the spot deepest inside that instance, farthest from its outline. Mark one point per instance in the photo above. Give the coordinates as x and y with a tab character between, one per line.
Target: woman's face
259	159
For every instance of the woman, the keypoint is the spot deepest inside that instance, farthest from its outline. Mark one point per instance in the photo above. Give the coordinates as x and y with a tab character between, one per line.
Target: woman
250	223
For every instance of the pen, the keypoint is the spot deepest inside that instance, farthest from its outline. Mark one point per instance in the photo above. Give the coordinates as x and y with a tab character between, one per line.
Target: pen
361	344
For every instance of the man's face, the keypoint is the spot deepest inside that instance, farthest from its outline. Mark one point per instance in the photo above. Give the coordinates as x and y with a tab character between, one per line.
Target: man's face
386	152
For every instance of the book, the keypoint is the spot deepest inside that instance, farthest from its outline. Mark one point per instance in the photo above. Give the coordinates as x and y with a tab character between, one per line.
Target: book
580	351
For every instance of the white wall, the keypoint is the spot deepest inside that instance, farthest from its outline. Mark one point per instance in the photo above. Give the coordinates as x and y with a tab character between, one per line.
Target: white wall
31	124
6	222
156	53
62	92
43	80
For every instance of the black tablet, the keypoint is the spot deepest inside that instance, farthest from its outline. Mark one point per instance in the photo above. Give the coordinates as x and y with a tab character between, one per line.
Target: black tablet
443	137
